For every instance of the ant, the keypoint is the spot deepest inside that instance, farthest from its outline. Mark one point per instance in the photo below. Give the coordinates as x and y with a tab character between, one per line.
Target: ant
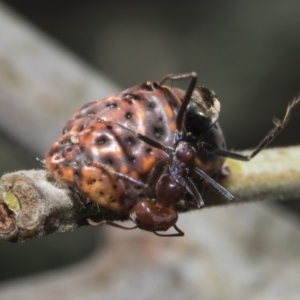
171	176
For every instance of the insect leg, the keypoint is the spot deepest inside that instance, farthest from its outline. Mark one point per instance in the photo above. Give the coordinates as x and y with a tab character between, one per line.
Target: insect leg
91	222
213	184
140	136
278	127
117	174
187	97
156	172
194	192
179	232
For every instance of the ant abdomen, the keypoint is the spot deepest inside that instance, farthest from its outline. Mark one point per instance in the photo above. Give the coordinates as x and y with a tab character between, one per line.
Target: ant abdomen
152	216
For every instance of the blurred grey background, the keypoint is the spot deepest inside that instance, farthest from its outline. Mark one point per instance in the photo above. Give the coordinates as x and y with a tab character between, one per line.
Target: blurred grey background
247	51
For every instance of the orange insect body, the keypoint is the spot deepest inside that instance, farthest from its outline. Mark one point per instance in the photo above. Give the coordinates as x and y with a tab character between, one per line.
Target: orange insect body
90	154
86	140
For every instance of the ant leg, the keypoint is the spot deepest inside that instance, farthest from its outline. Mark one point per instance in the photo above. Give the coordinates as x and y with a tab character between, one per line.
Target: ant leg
212	183
117	174
221	152
279	126
179	232
178	77
154	175
187	97
140	136
91	222
194	192
156	172
184	204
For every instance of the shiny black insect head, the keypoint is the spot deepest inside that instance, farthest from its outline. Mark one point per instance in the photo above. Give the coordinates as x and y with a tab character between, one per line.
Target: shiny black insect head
202	112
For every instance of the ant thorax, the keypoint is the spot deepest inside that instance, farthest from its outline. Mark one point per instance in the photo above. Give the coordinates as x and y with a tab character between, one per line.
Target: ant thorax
171	186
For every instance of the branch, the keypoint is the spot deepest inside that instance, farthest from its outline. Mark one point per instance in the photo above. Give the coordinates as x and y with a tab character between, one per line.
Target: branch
274	174
33	204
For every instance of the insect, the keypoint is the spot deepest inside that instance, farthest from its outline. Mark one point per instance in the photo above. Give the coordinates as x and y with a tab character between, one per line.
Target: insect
138	152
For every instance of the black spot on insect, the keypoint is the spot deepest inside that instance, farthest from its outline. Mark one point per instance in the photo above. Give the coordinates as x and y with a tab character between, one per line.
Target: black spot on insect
109	161
149	150
129	97
148	86
132	159
81	127
111	105
158	132
152	104
91	181
101	140
128	115
130	141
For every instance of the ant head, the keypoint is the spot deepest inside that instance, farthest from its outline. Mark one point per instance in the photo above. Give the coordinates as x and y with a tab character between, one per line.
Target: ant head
202	112
185	153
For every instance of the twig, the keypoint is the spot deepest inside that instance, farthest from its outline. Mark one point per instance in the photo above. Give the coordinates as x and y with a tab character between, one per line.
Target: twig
272	175
33	204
